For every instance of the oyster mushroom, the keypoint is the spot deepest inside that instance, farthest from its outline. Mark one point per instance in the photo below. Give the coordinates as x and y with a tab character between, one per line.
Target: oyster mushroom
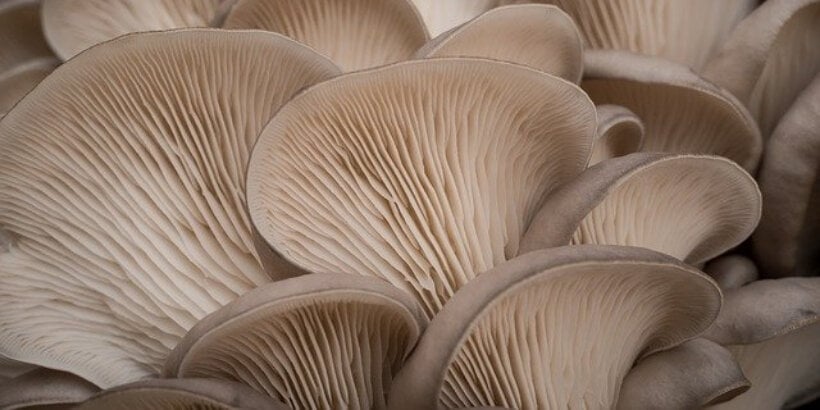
424	173
691	207
41	388
558	328
770	58
538	36
355	34
681	112
732	271
440	16
320	341
122	191
620	132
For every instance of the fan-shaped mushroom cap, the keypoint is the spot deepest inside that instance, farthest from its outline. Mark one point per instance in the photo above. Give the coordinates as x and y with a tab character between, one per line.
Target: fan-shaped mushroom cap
355	34
691	207
44	387
773	329
72	26
788	239
440	16
424	173
558	328
695	374
681	112
620	132
732	271
329	341
122	184
770	58
163	394
538	36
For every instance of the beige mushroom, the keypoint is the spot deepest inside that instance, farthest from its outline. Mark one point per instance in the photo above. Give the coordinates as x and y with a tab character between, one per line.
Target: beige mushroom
440	16
620	132
681	112
558	328
356	34
538	36
122	189
44	388
691	207
424	173
320	341
732	271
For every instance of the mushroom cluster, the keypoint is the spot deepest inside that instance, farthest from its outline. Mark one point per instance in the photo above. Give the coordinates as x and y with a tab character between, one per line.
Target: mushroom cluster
409	204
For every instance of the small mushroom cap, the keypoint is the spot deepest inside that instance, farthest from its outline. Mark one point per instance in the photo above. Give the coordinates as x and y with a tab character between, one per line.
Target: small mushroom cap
316	341
695	374
538	36
558	328
163	394
682	113
786	243
620	132
770	58
441	16
72	26
688	206
732	271
423	173
44	387
15	84
355	34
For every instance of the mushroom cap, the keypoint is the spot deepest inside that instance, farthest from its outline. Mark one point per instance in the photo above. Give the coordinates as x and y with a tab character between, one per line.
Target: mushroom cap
44	387
538	36
732	271
15	84
786	243
620	132
691	207
162	394
770	58
681	112
440	16
424	173
558	328
122	187
316	341
72	26
356	34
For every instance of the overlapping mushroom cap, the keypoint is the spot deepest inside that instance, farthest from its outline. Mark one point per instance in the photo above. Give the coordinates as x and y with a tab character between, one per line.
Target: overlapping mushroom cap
424	173
440	16
620	132
44	387
122	192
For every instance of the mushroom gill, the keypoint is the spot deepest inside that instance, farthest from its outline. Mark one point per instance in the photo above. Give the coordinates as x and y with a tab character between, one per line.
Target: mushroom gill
424	173
122	194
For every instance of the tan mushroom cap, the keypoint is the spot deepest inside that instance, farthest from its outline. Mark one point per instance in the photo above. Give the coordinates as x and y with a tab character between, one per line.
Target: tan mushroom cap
689	376
44	387
122	189
558	328
620	132
538	36
164	394
732	271
10	369
15	84
327	341
440	16
770	58
786	243
688	206
681	112
72	26
356	34
424	173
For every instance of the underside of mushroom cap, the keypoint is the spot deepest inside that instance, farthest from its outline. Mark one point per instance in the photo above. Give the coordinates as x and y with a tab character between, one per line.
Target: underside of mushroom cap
440	16
688	206
558	328
788	239
122	186
72	26
770	58
163	394
681	112
44	387
424	173
356	34
620	132
538	36
323	341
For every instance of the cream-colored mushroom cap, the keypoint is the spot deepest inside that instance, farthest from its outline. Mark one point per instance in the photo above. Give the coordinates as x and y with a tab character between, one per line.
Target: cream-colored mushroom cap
440	16
538	36
356	34
688	206
555	329
424	173
122	193
320	341
46	388
620	132
72	26
681	112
